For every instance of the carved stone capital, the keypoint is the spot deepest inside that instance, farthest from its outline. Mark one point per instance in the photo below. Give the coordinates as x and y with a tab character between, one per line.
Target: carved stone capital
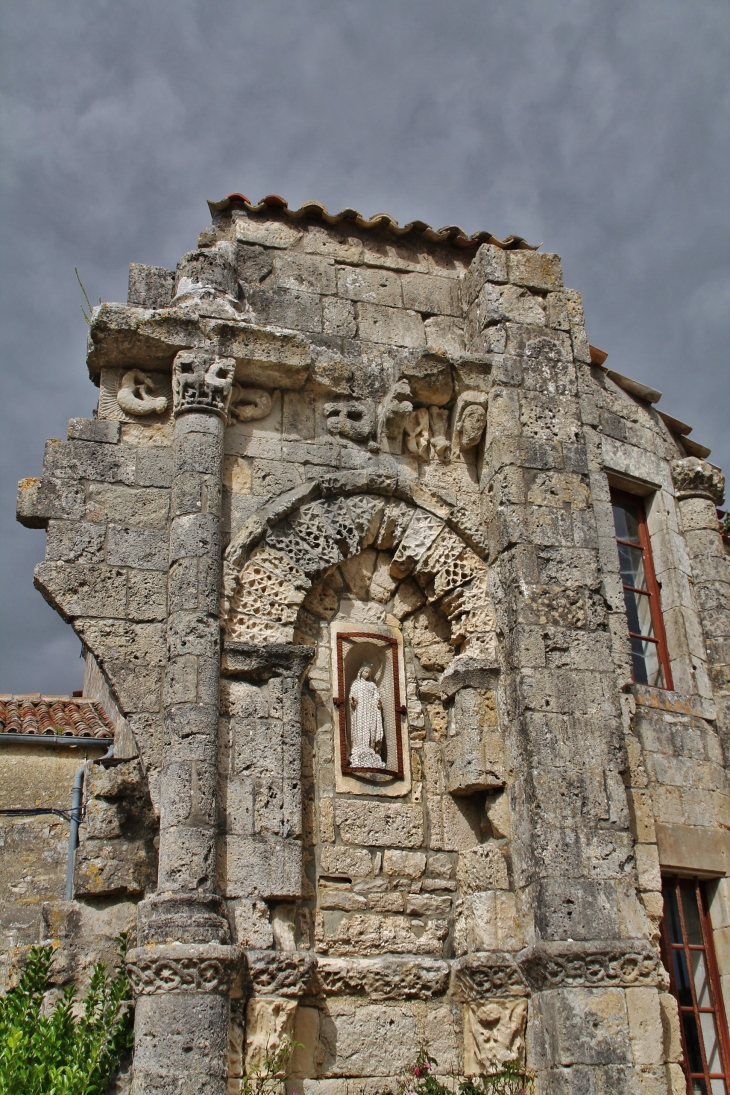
695	478
182	918
479	976
261	661
202	382
184	967
619	964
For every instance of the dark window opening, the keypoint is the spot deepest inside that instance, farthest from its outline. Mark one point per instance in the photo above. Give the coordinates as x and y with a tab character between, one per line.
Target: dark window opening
689	955
649	658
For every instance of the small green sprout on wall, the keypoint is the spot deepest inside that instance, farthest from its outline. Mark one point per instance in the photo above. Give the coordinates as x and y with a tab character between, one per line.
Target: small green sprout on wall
74	1050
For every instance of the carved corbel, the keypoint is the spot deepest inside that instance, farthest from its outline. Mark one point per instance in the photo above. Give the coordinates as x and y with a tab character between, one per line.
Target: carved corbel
249	404
395	410
202	382
470	418
695	478
354	419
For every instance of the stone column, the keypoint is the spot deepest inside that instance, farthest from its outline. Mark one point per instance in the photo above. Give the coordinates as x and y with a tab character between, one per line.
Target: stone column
700	488
183	967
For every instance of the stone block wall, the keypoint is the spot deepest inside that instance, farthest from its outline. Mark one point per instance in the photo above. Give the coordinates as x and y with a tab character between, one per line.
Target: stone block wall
324	446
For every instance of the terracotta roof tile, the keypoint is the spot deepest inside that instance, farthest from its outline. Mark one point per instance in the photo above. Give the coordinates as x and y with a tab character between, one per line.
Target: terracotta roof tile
451	233
61	715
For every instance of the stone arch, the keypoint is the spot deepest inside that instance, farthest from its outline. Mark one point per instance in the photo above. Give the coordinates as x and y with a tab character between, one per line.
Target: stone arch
289	545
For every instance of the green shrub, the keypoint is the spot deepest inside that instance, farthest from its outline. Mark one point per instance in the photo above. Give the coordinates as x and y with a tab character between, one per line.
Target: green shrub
74	1050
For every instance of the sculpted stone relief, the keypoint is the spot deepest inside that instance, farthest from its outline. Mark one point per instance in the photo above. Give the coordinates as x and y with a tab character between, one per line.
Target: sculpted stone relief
130	395
494	1033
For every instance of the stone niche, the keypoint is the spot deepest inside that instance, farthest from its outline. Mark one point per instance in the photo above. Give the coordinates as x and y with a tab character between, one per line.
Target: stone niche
370	722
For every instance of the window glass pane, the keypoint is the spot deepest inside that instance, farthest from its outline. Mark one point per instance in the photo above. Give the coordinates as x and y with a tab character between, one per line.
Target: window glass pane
647	668
698	1087
638	612
702	984
709	1037
684	992
691	917
692	1041
717	1087
672	911
631	561
626	521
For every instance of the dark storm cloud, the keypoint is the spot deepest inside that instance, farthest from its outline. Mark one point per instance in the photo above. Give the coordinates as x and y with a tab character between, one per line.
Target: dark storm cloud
597	128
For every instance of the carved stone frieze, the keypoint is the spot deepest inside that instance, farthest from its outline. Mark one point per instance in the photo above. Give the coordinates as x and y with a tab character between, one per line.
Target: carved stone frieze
387	978
202	382
280	973
477	976
695	478
185	967
568	965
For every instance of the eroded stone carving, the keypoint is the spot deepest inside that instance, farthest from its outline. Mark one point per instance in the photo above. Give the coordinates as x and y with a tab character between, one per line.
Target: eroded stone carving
470	418
698	478
416	427
439	433
494	1033
353	419
248	404
395	410
267	1022
135	394
202	382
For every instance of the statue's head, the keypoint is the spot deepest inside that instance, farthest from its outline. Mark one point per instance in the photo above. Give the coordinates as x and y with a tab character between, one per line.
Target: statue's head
366	671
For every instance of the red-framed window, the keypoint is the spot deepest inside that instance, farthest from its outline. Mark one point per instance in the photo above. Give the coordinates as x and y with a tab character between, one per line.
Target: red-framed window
689	956
649	658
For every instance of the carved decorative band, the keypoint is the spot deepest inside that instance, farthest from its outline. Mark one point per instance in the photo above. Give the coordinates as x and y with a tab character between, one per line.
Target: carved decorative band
481	975
184	968
549	968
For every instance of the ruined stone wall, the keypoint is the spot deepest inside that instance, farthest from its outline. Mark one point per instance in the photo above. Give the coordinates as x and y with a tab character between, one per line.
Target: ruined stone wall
413	471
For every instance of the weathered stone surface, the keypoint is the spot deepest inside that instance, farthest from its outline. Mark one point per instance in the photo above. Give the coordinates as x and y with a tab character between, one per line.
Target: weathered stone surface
380	824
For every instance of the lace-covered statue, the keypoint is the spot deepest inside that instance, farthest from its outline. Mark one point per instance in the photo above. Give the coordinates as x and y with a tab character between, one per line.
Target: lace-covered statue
366	721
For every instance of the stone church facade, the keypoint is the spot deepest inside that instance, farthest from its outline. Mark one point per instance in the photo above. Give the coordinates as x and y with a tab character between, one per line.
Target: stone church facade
412	622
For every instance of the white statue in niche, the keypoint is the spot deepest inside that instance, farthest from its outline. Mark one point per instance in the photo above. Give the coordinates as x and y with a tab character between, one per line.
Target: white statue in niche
366	720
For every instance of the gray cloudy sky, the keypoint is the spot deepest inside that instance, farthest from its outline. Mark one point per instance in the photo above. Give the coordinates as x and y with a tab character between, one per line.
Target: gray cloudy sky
599	127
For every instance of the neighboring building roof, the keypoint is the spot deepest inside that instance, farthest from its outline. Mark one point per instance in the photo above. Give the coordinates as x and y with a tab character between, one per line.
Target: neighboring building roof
451	233
54	715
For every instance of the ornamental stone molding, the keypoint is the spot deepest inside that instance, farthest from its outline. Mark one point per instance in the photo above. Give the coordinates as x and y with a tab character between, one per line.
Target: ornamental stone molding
183	967
593	965
695	478
478	976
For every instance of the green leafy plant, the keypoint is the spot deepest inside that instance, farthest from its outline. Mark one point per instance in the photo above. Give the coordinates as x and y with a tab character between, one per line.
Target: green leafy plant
269	1078
75	1049
421	1079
